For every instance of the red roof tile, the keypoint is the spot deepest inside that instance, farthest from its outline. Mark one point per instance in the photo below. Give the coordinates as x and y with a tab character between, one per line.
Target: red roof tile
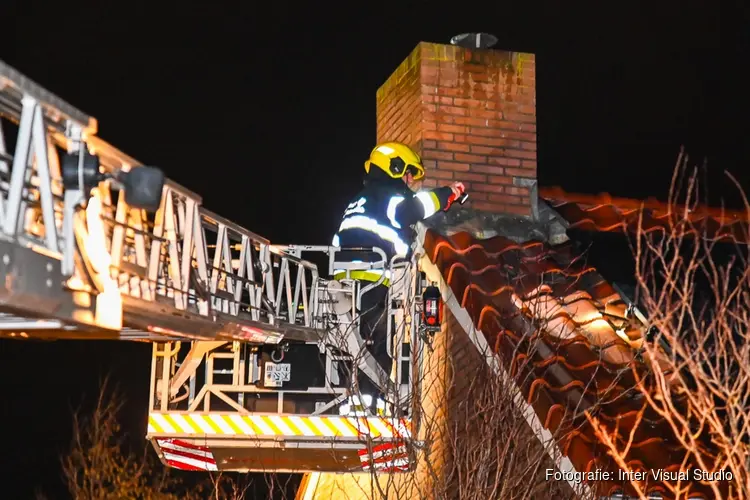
554	320
605	213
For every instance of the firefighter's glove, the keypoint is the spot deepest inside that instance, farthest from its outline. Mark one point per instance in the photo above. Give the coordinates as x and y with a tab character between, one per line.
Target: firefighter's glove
457	189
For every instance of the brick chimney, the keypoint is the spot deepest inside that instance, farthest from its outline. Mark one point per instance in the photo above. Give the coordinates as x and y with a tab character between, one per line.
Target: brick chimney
471	114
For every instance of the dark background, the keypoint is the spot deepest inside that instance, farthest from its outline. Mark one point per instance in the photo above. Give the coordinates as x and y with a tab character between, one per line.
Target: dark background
269	111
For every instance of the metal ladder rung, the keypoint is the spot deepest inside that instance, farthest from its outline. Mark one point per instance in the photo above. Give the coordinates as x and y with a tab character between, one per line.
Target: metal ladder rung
134	269
222	294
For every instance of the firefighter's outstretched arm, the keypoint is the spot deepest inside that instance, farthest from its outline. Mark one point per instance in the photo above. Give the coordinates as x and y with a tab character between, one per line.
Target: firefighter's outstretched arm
405	211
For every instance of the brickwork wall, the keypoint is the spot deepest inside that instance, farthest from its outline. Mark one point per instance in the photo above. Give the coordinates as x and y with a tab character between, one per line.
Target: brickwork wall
471	114
399	103
448	372
421	482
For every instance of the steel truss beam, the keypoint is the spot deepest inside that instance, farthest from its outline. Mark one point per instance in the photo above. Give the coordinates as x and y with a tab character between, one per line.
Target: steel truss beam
190	401
87	265
182	272
340	341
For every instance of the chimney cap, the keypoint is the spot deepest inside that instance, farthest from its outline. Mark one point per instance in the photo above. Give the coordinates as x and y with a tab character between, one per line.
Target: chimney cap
474	40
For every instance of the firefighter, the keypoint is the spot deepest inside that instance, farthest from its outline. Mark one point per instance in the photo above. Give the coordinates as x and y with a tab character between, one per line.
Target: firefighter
381	215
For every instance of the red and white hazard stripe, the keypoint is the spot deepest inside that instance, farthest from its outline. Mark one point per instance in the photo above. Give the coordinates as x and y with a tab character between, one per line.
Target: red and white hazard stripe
386	457
186	456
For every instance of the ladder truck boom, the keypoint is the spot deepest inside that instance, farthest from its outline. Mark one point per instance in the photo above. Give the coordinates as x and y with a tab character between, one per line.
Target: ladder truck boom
173	282
258	363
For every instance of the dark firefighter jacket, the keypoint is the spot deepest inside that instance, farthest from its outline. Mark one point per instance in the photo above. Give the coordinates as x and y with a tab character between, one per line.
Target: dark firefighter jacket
381	215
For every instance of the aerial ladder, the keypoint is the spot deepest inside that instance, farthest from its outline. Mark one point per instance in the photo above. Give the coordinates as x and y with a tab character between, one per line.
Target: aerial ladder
258	362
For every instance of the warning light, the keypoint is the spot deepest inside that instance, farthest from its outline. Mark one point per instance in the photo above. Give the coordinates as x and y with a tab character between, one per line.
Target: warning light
431	309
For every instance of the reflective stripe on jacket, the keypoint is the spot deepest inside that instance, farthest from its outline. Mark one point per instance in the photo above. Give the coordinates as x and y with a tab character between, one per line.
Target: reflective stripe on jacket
381	215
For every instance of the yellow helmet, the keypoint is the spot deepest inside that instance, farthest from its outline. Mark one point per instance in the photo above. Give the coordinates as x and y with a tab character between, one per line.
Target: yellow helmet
395	159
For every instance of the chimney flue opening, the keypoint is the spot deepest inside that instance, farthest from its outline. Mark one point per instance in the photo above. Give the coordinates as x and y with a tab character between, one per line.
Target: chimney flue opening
474	40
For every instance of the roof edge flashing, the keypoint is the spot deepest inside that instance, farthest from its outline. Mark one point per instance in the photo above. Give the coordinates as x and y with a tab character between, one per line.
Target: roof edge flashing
484	225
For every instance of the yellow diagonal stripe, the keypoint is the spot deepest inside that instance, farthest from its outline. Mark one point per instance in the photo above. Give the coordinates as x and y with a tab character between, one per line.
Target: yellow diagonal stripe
363	427
276	431
249	421
296	430
327	423
213	425
171	422
338	426
152	423
193	425
234	427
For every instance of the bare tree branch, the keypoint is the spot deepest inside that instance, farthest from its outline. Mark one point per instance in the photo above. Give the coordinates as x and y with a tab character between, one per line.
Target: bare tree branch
695	293
100	464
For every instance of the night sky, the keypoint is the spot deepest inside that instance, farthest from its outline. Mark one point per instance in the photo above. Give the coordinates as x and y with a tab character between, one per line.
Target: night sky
268	112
